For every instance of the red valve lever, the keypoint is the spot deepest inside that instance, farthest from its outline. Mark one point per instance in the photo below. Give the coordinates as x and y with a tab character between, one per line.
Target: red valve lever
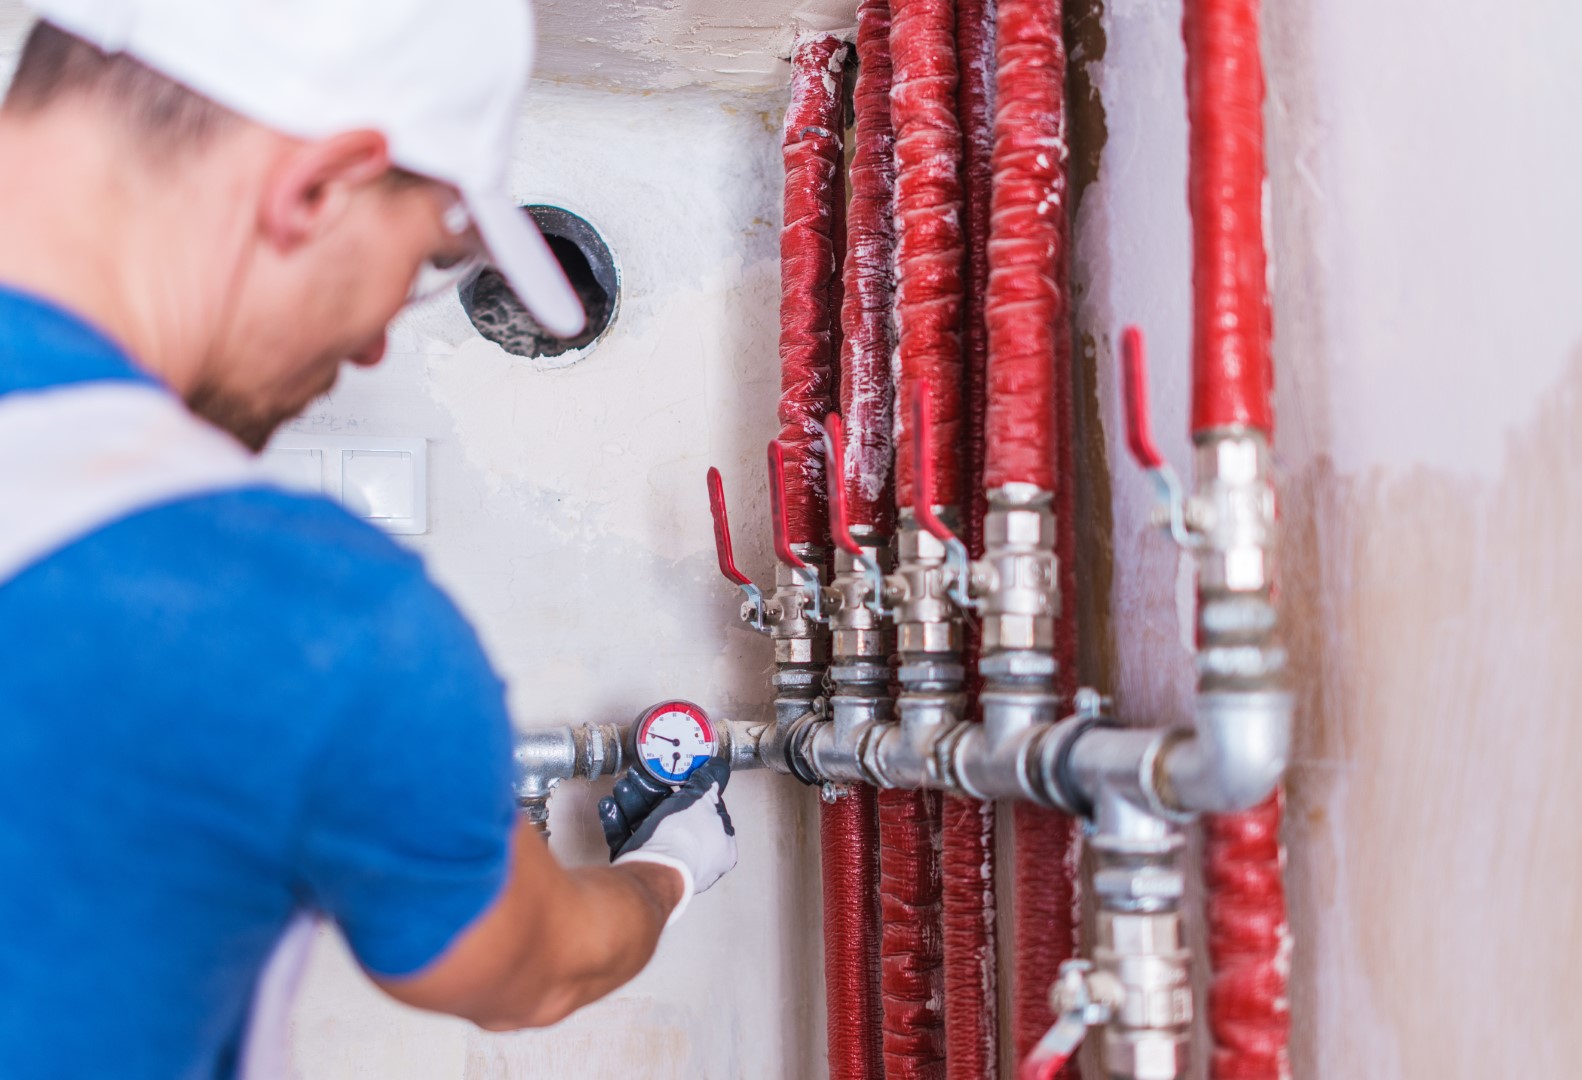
923	466
722	530
777	507
835	451
1134	375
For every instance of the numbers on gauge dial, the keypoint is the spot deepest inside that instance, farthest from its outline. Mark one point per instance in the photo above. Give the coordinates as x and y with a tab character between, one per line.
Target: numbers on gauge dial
675	740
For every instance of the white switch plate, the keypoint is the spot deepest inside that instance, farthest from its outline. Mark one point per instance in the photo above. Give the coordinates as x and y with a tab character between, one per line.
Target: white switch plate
379	479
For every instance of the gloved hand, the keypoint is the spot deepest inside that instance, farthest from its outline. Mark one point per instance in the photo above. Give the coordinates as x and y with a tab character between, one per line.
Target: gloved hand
688	830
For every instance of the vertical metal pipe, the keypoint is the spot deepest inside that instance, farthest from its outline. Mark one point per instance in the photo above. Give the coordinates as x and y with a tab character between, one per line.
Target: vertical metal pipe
1232	419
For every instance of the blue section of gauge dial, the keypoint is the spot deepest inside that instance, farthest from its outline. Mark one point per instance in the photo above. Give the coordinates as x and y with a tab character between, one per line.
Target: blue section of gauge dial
674	740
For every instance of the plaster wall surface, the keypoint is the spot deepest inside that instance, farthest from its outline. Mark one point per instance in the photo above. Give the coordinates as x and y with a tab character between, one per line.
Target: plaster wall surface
569	517
1429	366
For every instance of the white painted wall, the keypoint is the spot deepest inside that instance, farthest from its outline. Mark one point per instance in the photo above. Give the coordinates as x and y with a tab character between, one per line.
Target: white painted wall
569	518
1429	362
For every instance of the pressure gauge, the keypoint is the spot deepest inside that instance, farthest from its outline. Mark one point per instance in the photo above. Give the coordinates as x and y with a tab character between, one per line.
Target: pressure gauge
674	740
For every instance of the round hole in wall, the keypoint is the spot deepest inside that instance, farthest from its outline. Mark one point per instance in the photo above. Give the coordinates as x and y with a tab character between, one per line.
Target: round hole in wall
590	267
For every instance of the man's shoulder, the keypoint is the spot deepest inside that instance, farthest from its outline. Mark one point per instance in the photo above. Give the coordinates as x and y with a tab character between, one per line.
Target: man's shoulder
258	562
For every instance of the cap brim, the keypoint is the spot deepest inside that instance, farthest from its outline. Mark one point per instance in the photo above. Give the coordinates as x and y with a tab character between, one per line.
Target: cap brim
523	257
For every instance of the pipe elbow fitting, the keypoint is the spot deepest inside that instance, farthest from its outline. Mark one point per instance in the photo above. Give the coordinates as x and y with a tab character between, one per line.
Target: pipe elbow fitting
544	757
1235	757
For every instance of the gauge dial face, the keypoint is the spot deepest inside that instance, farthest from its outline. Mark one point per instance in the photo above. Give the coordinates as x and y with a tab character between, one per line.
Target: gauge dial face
674	740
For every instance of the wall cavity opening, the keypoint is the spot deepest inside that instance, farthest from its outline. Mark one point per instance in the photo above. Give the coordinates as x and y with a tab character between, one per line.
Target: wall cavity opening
590	267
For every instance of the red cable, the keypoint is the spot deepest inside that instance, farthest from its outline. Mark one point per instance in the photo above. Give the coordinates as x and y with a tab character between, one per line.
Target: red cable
812	152
849	828
866	388
1027	310
968	826
928	303
1231	374
911	951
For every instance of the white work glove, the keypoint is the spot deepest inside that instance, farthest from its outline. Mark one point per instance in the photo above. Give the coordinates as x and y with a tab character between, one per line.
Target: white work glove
687	830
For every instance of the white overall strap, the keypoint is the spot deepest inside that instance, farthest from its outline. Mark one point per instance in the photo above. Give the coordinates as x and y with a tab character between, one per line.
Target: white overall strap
266	1053
76	458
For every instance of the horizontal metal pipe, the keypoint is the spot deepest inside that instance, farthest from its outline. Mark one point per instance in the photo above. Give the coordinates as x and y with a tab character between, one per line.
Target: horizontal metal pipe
1230	761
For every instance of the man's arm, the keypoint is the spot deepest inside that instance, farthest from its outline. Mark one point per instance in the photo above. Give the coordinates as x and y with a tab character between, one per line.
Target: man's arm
553	941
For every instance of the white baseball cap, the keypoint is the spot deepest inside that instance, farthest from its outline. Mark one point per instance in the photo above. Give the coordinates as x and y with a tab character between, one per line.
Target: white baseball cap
442	80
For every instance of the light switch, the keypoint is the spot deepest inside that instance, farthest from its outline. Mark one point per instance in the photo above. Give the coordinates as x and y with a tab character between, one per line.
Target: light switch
381	480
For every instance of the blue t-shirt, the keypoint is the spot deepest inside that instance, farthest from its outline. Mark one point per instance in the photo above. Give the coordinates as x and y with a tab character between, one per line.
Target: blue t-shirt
213	713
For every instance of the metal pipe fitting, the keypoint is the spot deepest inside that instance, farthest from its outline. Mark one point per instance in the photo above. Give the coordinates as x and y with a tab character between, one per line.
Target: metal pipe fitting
1140	946
926	617
1002	757
1018	574
1234	758
798	638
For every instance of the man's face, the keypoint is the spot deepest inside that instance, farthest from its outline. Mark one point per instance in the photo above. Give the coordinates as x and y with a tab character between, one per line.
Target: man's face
298	315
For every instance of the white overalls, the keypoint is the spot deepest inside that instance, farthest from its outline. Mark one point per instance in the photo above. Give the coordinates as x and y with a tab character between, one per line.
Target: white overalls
116	448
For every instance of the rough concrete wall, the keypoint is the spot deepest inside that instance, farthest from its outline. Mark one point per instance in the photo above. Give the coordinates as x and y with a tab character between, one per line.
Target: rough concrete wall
1429	355
569	517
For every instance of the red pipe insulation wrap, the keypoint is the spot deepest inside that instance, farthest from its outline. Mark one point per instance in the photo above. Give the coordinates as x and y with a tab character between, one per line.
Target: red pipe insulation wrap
866	386
849	838
849	827
1029	409
911	952
1248	940
812	152
1232	385
1027	310
928	313
928	304
967	825
1231	374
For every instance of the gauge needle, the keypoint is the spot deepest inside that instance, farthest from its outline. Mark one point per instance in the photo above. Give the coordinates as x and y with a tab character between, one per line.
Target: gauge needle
675	762
672	742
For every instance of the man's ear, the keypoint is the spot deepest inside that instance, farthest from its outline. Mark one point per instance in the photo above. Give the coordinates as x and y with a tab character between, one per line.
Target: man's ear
312	184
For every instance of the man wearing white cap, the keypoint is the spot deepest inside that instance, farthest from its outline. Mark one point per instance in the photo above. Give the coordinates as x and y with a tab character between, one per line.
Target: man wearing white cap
227	710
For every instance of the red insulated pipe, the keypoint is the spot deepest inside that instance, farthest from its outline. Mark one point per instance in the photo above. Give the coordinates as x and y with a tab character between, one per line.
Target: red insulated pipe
911	949
1232	384
1231	374
811	149
1027	311
1249	1017
928	302
928	312
866	385
849	827
1029	406
967	826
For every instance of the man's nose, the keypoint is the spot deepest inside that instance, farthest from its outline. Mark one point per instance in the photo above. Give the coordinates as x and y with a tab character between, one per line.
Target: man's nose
372	353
